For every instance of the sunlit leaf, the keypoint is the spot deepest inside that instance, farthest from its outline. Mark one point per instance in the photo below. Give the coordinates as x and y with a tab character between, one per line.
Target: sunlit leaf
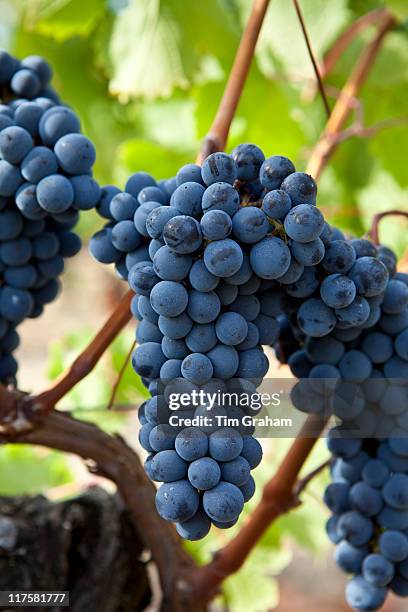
282	38
62	19
30	470
255	121
161	162
384	193
399	7
159	46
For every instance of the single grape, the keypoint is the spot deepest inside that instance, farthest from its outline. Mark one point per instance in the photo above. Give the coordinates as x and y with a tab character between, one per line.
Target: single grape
219	167
250	224
15	144
270	258
170	265
195	528
370	276
337	291
182	234
231	328
304	223
248	159
301	188
315	318
204	473
221	196
187	199
274	170
276	204
223	258
188	173
177	501
224	502
216	225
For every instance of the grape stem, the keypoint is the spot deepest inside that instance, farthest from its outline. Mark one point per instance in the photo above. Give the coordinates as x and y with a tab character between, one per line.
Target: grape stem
280	495
120	376
362	131
87	360
319	80
327	143
302	483
375	228
217	136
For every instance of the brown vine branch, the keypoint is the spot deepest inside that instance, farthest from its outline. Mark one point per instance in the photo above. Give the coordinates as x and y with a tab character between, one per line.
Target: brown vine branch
87	360
327	142
120	376
375	228
361	131
217	136
7	401
279	496
302	483
115	460
350	33
319	80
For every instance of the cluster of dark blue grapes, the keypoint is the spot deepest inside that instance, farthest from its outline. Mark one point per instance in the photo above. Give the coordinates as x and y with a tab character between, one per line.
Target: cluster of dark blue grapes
225	259
45	180
356	368
368	496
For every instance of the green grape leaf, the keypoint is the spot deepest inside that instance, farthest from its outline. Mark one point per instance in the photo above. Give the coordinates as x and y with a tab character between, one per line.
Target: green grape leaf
63	19
251	591
381	194
90	397
30	470
261	103
399	7
361	7
390	67
391	157
282	39
162	162
284	136
353	163
161	45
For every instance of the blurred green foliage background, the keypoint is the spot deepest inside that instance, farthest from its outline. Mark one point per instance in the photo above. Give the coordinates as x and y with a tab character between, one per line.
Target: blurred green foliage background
146	78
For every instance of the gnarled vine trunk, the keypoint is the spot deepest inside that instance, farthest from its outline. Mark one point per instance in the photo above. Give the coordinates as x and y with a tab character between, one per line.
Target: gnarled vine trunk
85	545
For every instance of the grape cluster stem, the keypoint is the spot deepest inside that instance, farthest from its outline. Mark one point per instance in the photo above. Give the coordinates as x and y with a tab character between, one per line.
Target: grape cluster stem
375	228
216	138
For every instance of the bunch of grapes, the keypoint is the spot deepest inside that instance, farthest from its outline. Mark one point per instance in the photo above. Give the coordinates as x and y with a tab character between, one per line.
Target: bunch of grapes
202	252
358	372
368	496
228	258
45	180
